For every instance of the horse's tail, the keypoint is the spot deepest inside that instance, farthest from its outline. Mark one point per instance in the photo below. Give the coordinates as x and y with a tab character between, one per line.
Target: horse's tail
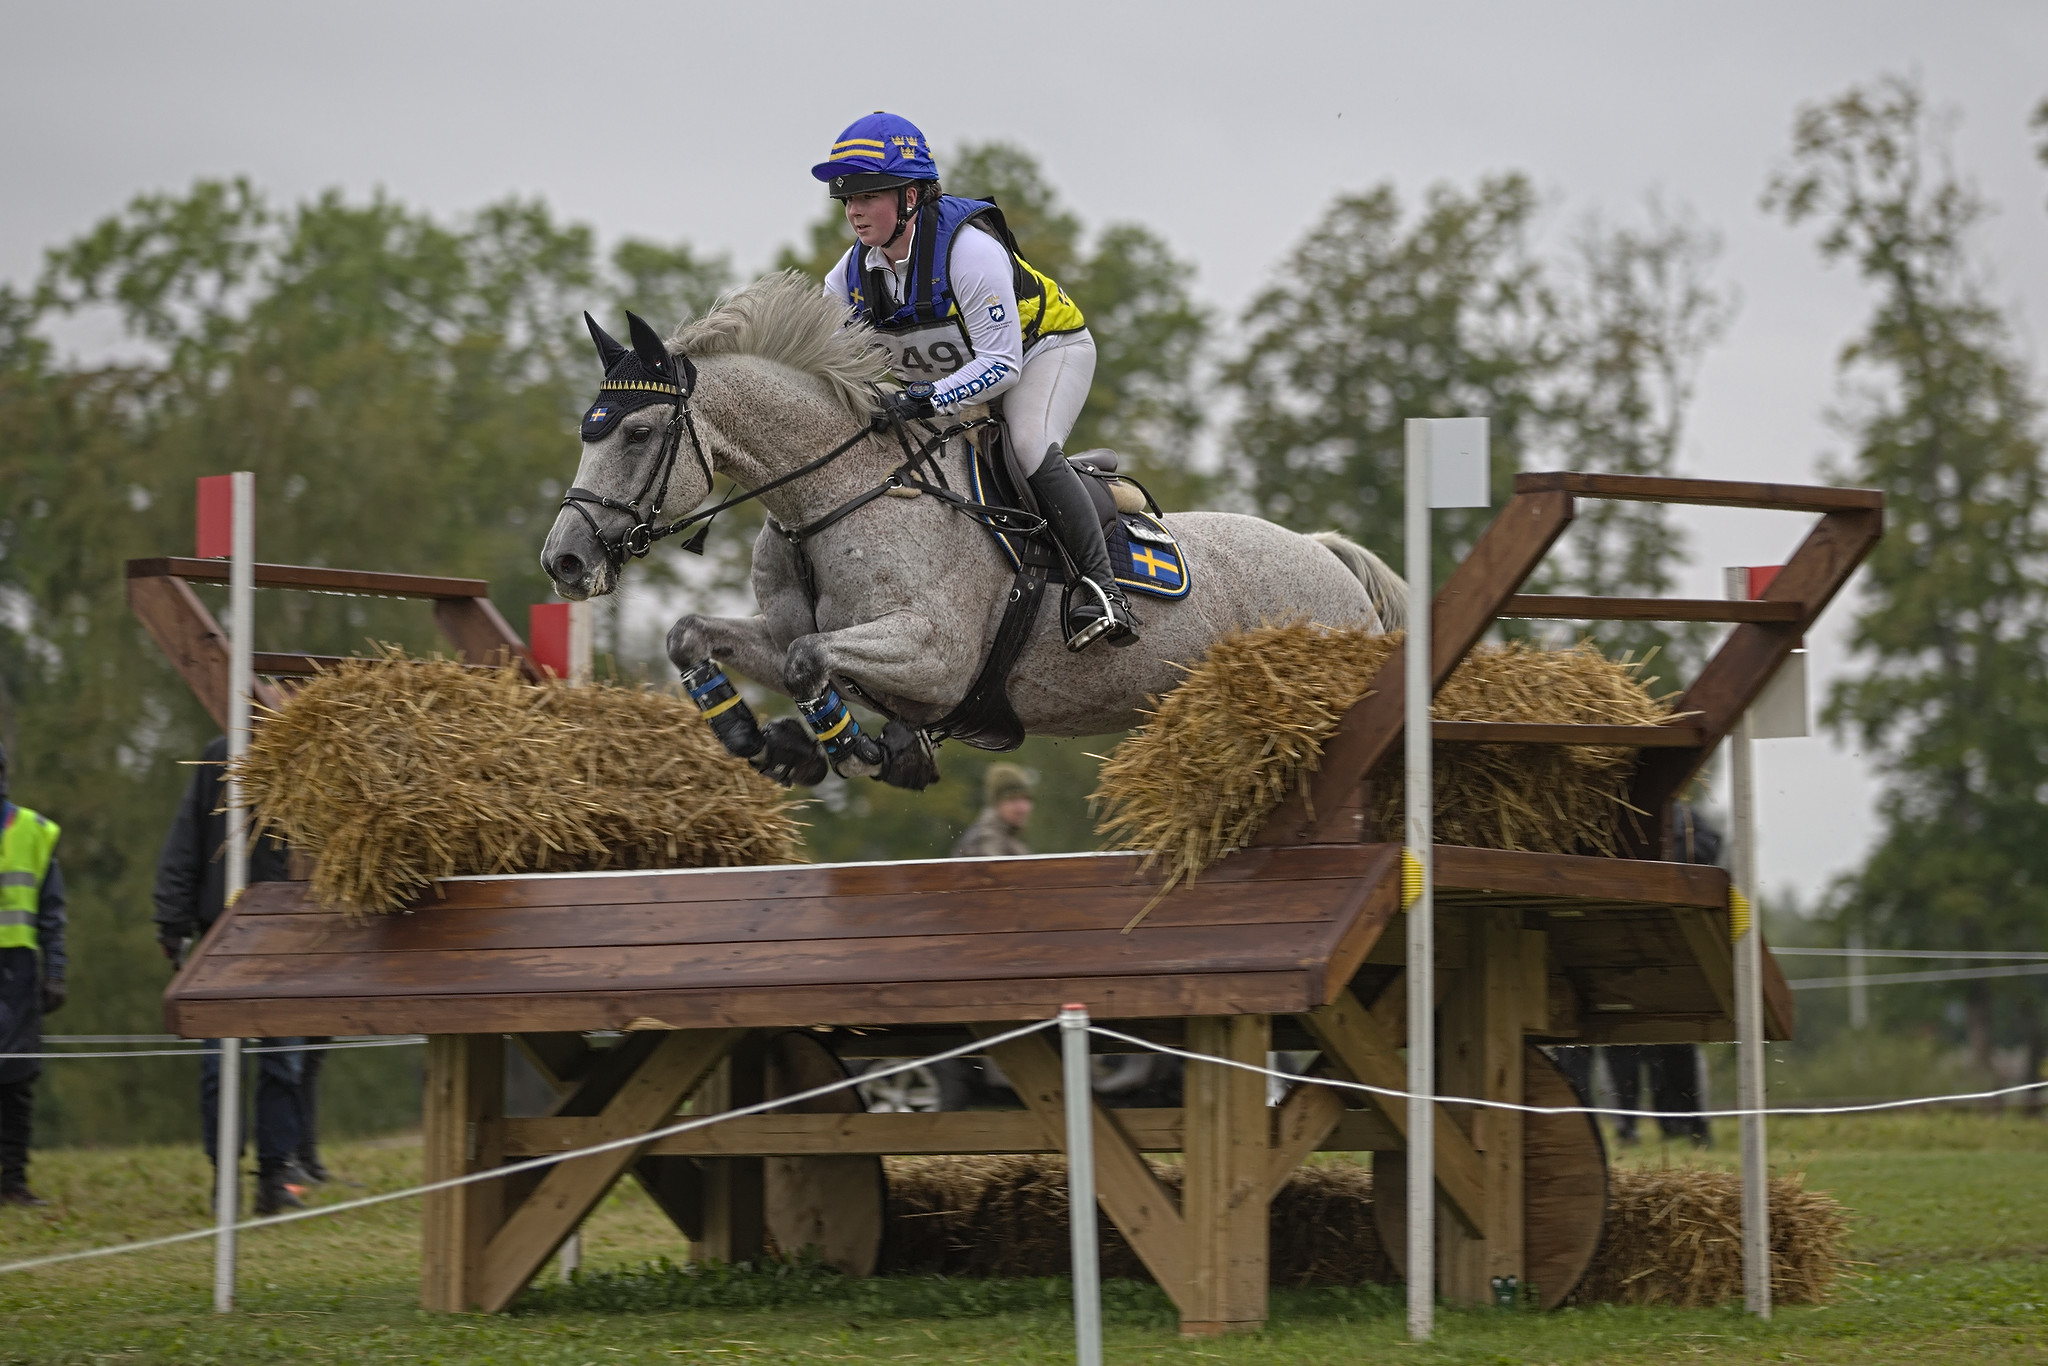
1389	593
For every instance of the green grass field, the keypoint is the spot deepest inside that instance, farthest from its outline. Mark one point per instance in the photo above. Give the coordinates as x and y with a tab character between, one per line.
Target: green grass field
1951	1234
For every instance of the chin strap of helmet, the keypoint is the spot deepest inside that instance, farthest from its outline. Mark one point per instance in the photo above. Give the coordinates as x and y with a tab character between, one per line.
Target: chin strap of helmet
903	215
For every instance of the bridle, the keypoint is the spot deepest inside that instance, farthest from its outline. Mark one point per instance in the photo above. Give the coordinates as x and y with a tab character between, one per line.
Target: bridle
904	481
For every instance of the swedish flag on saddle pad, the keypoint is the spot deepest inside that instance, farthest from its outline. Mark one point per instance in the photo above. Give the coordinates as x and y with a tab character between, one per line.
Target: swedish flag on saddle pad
1144	554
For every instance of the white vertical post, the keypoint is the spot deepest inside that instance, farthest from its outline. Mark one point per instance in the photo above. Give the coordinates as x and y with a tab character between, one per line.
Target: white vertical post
582	643
1080	1103
1859	986
241	648
1420	799
570	1259
1749	1034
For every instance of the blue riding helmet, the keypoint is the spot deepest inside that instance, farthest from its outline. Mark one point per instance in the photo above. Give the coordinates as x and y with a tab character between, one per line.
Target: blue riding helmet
878	152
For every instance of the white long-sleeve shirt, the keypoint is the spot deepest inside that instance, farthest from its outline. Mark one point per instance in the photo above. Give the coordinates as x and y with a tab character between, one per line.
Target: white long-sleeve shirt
985	292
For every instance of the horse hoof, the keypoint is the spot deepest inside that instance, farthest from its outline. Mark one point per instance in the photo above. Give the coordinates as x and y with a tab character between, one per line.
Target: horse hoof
790	756
910	763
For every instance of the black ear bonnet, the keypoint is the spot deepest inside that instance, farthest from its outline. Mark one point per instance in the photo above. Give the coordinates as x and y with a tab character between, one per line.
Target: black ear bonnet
634	377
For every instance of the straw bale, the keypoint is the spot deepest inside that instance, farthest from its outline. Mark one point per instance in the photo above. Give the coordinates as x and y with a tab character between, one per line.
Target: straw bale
1249	723
393	772
1672	1236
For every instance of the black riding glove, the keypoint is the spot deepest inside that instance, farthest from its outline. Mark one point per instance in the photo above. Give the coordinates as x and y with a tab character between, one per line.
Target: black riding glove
911	403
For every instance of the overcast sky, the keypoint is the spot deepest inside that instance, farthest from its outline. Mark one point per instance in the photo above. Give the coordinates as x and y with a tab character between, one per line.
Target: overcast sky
1226	128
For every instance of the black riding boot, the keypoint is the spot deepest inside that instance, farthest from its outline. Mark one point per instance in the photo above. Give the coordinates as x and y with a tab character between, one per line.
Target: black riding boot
1070	512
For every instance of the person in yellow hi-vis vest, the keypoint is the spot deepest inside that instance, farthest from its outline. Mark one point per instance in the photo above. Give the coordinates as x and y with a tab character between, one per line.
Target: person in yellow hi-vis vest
31	975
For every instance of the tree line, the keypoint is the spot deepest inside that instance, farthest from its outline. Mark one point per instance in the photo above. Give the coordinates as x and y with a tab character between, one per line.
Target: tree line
406	388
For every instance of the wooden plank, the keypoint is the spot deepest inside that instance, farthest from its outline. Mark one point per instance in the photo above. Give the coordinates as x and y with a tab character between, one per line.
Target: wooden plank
1511	547
461	1117
883	1134
1724	493
192	641
1228	1169
573	1187
1706	935
994	914
1567	607
1143	1210
1359	1050
314	578
780	883
1676	735
1779	1017
1737	673
1112	997
1579	876
1353	936
923	958
481	636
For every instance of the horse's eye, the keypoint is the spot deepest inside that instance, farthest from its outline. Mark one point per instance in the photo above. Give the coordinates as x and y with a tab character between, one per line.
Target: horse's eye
639	433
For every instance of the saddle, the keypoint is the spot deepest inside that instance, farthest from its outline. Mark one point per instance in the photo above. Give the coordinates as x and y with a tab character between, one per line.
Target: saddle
1144	553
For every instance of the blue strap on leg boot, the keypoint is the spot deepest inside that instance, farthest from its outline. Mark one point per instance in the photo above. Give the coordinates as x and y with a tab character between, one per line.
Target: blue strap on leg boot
727	713
838	732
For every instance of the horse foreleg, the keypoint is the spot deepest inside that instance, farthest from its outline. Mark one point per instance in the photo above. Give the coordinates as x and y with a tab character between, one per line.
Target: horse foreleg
895	655
698	646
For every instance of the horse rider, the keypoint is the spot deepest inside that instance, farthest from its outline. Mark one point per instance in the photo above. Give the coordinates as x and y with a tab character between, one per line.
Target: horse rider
966	320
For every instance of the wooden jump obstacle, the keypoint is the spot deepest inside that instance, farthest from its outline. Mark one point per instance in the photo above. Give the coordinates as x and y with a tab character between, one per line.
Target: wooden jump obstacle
721	981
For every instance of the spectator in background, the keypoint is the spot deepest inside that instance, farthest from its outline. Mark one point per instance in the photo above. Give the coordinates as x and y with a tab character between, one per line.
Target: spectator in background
1006	809
191	887
31	976
1673	1068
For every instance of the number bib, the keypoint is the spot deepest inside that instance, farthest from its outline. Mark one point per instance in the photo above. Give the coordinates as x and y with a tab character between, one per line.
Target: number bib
926	351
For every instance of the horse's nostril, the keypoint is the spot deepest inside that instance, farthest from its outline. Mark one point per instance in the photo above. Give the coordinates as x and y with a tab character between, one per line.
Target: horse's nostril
568	567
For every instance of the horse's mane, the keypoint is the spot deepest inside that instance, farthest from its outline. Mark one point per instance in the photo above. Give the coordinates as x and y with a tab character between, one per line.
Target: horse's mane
786	318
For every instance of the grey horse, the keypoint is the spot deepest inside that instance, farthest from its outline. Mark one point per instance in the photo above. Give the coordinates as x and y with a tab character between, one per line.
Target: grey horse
906	592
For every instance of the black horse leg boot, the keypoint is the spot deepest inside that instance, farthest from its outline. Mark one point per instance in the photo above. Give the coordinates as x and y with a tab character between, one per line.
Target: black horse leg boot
1098	609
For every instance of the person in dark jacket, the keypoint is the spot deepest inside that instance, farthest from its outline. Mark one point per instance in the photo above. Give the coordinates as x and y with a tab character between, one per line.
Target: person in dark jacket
191	888
31	976
1006	809
1673	1069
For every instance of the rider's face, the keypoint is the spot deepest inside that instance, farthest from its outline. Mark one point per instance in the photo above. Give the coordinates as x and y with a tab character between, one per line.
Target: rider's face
872	216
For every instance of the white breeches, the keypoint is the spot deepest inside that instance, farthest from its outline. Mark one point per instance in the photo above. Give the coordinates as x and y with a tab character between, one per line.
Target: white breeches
1042	406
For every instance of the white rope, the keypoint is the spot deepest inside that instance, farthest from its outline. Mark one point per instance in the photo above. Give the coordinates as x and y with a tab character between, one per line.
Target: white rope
532	1163
406	1041
1561	1109
2014	957
1879	979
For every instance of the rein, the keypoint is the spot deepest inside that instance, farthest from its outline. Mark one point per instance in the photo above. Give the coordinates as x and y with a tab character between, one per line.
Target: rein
903	481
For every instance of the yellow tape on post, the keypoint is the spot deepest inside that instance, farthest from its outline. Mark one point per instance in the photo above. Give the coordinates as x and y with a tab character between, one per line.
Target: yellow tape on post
1411	878
1738	914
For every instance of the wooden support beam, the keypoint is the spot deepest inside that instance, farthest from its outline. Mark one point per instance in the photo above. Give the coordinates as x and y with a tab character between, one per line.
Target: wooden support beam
1302	1124
313	578
482	636
1737	673
192	640
1499	971
1677	735
1563	607
676	1065
1228	1175
1511	547
1143	1210
881	1134
1363	1052
462	1113
735	1199
1724	493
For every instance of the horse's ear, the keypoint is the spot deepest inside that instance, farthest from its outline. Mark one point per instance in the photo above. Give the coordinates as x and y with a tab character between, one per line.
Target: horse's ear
608	351
648	346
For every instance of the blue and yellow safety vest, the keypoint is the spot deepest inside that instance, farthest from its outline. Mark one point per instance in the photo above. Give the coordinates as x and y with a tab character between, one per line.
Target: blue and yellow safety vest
27	843
925	335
